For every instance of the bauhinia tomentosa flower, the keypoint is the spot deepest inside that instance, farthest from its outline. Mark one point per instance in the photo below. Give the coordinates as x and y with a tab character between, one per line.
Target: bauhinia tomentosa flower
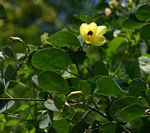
93	34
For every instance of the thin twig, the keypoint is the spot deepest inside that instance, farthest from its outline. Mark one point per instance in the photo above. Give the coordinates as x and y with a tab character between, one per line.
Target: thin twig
22	99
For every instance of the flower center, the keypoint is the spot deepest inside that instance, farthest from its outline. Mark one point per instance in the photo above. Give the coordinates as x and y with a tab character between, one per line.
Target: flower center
90	33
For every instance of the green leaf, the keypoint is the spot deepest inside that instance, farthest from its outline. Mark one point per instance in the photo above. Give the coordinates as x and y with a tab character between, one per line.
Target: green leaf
12	122
120	103
2	87
132	69
44	121
6	105
9	72
132	22
111	128
99	68
144	34
49	104
84	87
142	12
8	52
53	82
65	38
50	59
61	126
137	88
2	12
131	112
108	87
80	127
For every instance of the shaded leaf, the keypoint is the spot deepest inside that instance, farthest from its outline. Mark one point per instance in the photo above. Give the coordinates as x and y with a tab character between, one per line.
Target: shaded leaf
142	12
99	68
6	105
50	59
111	128
144	34
2	12
53	82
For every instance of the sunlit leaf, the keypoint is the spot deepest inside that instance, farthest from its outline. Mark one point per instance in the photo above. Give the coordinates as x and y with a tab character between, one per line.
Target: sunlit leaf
6	105
44	121
65	38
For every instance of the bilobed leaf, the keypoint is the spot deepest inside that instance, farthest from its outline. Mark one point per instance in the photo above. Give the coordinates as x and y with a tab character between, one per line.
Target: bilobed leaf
108	87
50	59
131	112
65	38
52	82
61	126
2	12
142	12
144	34
121	103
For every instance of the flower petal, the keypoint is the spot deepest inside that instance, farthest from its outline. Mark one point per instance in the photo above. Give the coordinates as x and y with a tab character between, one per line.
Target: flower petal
84	30
98	40
101	30
93	27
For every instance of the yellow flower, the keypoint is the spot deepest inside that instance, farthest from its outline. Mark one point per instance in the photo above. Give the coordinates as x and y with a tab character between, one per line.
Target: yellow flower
93	34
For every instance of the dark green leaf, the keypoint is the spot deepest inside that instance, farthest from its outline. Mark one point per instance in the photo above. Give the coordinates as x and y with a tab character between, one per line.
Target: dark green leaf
144	34
50	59
53	82
9	72
2	12
131	112
61	126
99	68
120	103
8	52
2	87
5	105
107	87
132	22
64	38
111	128
79	127
137	88
142	12
132	69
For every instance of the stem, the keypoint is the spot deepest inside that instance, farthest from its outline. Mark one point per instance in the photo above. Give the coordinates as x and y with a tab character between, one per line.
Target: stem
22	99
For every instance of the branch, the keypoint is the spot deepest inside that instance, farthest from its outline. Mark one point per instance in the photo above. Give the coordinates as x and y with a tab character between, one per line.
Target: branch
22	99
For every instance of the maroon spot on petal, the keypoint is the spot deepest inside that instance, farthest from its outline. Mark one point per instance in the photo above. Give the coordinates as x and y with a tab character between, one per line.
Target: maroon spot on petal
90	33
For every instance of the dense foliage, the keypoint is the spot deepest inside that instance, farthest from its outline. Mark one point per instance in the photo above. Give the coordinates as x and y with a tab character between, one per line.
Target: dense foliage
51	81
